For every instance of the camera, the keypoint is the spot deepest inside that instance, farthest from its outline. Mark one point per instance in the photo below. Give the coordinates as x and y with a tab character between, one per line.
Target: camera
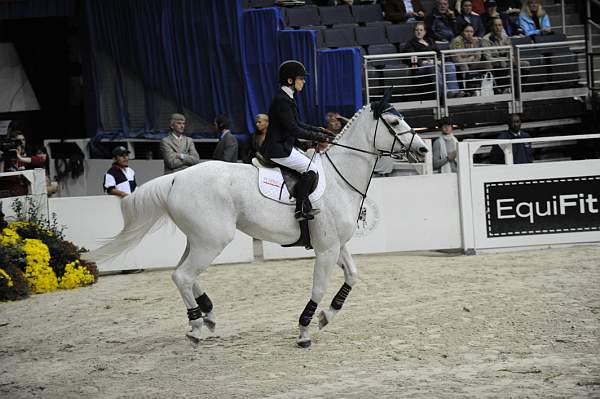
8	147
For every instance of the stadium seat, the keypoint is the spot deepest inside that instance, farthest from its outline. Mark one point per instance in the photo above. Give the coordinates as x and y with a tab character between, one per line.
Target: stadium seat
372	23
345	25
399	33
367	35
557	37
520	40
336	15
319	29
387	48
367	13
341	37
302	16
260	3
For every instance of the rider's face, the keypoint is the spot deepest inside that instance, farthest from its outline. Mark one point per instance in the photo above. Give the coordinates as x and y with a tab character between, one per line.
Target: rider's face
299	83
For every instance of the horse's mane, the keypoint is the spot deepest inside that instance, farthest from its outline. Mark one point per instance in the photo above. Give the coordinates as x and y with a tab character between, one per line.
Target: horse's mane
339	136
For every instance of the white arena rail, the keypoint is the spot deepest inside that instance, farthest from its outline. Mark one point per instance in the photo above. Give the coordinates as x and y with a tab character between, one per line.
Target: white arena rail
539	204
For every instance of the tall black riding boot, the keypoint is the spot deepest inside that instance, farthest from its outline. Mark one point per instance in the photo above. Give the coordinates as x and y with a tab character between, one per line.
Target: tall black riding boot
303	188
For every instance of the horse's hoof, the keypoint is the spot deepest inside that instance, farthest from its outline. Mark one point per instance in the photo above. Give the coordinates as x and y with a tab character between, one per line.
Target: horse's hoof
325	316
193	337
304	343
210	324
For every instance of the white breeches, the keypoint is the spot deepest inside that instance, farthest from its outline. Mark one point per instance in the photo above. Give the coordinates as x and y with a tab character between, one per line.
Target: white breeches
297	161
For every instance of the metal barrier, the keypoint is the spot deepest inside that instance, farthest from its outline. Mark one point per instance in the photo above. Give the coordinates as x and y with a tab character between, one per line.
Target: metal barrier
520	73
553	70
411	77
496	60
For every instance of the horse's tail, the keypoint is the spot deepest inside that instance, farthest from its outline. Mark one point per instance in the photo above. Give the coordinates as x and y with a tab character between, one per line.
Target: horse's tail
141	212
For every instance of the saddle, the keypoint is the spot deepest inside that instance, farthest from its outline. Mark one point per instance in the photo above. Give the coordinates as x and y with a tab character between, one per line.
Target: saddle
290	180
290	176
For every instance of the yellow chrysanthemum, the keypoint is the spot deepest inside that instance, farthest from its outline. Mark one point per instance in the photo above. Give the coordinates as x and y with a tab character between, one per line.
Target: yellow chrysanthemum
9	237
39	274
5	276
75	276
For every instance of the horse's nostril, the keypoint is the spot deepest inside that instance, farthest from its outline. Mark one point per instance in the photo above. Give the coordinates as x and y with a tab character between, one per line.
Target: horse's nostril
423	150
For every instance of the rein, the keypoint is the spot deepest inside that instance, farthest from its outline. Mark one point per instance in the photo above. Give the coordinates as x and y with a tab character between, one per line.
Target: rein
379	155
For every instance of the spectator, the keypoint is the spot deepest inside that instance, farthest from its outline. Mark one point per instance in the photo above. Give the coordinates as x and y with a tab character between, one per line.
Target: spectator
468	17
13	159
421	43
522	152
534	20
491	12
499	59
178	151
510	6
471	64
441	22
256	140
335	122
398	11
227	149
119	180
444	149
477	6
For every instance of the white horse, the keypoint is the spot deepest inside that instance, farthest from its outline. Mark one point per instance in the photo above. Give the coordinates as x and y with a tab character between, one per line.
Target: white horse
209	201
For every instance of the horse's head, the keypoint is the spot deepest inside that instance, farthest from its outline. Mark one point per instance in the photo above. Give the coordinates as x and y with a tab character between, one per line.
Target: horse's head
397	136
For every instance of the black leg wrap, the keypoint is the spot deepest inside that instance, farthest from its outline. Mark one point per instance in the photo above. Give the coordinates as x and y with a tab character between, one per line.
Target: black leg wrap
340	297
308	313
194	314
204	303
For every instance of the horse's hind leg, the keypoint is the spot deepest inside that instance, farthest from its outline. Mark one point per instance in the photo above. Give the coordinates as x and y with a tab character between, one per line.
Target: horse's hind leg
324	263
199	258
347	264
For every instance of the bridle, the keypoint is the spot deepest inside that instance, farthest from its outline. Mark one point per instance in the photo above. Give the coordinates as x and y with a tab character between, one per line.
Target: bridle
379	154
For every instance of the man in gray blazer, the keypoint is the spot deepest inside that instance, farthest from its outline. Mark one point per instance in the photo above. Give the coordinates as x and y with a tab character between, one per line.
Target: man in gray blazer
177	150
227	149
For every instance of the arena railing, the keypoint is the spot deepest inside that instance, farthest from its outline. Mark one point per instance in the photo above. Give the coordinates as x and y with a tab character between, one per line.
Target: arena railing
555	70
522	73
412	86
497	60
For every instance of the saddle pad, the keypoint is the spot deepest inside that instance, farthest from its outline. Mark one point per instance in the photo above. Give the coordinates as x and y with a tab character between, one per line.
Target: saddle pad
272	186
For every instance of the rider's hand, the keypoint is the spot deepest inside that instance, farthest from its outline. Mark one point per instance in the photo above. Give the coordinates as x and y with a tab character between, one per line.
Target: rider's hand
327	132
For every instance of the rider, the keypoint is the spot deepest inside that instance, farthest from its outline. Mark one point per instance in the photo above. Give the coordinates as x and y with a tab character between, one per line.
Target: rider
285	127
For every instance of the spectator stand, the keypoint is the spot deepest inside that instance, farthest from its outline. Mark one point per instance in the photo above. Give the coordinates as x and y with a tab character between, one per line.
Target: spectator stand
556	71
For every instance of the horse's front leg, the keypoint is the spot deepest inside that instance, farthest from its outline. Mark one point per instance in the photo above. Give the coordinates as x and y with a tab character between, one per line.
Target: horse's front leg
347	264
324	264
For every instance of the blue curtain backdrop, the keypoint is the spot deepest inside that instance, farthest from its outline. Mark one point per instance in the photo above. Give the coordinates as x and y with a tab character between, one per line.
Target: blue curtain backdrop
261	59
187	50
340	85
17	9
211	57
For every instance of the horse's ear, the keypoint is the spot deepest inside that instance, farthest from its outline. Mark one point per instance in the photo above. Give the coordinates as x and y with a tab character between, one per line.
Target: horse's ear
380	106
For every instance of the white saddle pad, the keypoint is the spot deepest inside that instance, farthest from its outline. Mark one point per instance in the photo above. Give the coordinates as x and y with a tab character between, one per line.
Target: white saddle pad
272	186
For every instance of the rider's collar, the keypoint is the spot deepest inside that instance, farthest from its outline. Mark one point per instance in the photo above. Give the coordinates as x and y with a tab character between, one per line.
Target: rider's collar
288	91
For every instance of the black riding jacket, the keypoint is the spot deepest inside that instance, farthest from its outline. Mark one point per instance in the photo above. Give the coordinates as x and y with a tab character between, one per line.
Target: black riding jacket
285	127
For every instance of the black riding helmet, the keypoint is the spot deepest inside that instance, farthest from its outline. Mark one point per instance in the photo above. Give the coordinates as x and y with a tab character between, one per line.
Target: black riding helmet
290	70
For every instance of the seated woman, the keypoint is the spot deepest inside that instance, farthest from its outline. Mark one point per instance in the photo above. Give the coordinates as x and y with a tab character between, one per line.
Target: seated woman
471	64
533	20
424	65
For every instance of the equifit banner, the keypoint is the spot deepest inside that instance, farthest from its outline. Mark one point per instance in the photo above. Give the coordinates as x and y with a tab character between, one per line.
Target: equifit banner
542	206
